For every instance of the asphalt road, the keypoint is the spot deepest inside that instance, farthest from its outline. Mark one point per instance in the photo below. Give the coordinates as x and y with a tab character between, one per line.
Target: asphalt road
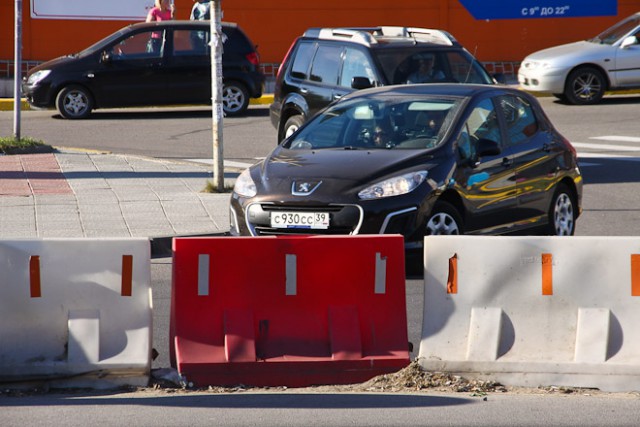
607	139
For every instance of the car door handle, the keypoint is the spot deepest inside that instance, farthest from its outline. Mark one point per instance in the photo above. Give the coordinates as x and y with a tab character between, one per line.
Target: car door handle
304	90
337	95
507	162
546	147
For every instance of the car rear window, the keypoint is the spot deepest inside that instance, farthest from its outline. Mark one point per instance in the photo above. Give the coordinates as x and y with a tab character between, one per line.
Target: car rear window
237	41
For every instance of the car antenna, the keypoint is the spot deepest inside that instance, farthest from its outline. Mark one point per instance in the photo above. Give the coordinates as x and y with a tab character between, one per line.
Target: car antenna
475	50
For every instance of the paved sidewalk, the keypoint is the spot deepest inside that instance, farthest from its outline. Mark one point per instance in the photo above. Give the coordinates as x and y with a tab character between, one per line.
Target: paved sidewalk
73	193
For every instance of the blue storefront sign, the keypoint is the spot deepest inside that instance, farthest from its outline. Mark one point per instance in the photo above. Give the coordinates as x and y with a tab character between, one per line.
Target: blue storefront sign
529	9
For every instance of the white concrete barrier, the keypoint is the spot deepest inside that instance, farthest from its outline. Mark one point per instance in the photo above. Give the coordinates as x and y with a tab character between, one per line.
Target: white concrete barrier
534	311
75	312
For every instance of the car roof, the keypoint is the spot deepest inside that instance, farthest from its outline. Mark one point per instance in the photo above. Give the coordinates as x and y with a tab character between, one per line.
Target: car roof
384	36
181	23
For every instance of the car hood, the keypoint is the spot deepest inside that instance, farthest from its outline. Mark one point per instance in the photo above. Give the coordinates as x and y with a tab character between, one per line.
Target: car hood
340	171
573	53
56	63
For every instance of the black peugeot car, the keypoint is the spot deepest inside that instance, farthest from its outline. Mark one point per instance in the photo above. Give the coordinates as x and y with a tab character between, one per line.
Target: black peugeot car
416	160
127	69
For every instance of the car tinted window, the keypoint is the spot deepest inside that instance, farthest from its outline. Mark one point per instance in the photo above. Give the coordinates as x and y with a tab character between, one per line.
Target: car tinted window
393	123
464	68
326	65
303	56
148	44
236	40
613	34
481	123
190	43
355	64
397	64
520	120
448	65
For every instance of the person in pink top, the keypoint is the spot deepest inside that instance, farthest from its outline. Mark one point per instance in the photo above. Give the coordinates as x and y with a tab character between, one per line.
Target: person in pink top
164	10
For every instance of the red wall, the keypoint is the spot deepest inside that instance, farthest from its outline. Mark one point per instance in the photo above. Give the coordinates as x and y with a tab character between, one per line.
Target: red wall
274	25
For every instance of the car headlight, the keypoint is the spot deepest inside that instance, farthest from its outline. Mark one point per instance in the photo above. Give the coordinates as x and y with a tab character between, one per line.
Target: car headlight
38	76
395	186
537	65
244	185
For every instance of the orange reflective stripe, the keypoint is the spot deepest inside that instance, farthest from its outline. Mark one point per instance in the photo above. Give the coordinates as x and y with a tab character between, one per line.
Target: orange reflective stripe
635	275
547	274
452	280
34	276
127	273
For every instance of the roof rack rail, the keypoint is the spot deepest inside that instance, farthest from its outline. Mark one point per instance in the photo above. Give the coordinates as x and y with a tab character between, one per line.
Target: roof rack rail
426	34
351	34
367	35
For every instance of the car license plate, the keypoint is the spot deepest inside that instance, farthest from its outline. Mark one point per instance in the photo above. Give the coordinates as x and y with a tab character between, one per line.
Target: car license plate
316	220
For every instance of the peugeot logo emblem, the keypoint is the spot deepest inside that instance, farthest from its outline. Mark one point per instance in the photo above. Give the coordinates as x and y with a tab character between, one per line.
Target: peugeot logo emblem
304	188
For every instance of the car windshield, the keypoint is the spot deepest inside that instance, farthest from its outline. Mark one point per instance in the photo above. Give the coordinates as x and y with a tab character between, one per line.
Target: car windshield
102	43
385	123
615	33
455	66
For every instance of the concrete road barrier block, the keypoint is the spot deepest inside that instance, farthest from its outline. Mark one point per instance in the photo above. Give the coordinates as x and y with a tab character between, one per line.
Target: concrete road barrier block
534	311
75	312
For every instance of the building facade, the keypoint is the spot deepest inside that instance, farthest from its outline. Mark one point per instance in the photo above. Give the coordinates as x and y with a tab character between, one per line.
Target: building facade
499	44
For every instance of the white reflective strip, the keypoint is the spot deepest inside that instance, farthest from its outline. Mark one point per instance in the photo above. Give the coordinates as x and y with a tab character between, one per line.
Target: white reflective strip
381	274
605	156
203	275
617	138
607	147
291	272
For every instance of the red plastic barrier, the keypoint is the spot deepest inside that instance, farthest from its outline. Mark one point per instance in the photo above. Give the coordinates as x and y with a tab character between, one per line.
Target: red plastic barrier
288	311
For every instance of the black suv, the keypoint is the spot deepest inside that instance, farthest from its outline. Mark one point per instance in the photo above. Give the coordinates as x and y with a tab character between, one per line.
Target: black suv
327	63
156	63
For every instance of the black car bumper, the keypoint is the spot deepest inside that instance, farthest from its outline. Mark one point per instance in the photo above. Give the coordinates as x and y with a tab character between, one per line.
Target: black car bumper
38	95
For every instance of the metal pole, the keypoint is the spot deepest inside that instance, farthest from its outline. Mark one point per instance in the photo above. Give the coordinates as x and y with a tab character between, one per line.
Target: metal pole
17	69
216	93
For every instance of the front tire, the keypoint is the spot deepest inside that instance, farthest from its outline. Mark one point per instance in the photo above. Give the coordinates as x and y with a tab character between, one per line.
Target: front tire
235	99
444	220
562	212
292	124
585	86
74	102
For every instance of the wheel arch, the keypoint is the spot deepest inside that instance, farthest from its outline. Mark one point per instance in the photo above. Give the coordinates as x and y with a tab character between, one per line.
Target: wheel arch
455	200
292	106
571	185
61	86
590	65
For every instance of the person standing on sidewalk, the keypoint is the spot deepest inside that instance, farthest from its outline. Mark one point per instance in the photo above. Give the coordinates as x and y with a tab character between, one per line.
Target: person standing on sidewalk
164	10
201	10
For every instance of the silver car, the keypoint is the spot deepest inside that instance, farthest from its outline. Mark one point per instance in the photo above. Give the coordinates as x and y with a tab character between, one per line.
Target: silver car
580	72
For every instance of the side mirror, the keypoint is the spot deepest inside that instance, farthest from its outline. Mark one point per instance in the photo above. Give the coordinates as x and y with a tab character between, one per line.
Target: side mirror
361	83
488	147
629	41
105	57
499	78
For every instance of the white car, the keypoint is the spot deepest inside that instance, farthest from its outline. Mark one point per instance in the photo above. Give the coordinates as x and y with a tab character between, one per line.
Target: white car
580	72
